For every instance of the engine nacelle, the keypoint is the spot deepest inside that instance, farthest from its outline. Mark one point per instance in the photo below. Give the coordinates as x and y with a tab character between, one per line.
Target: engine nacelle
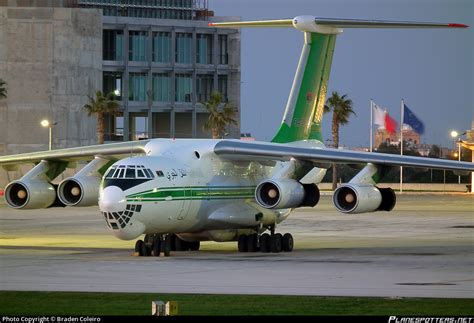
79	191
32	194
286	193
351	198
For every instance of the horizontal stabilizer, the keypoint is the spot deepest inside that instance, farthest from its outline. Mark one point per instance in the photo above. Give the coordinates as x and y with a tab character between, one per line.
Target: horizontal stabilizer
333	25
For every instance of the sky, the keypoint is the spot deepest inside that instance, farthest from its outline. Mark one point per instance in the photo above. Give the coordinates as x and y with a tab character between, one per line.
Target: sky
431	69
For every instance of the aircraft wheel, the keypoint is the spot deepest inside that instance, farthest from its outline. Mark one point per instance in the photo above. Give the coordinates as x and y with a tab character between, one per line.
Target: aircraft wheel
252	242
194	246
156	247
139	247
275	242
287	242
181	245
146	250
167	246
242	243
174	239
265	242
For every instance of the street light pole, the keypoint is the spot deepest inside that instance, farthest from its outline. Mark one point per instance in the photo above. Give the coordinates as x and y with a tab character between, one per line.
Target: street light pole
459	157
50	137
47	124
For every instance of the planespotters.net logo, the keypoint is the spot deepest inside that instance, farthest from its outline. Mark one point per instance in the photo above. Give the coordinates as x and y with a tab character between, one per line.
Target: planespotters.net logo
395	319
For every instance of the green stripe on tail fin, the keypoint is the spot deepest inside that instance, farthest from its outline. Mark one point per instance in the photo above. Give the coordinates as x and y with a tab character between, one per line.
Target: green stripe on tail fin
304	110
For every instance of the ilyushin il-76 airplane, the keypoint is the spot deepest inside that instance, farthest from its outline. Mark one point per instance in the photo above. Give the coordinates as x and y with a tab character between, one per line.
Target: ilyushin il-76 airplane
178	192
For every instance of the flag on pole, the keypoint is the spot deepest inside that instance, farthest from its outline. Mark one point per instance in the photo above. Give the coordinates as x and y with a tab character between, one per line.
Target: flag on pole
383	120
390	124
379	116
410	119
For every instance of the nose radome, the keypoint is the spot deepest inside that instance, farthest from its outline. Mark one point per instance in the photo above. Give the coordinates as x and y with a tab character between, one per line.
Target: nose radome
112	199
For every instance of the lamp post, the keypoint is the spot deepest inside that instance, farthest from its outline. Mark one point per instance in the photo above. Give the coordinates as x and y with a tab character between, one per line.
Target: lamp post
455	134
46	124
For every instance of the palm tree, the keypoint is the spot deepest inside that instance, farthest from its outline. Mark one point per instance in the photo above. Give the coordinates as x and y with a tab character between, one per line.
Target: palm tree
341	108
220	116
3	90
100	105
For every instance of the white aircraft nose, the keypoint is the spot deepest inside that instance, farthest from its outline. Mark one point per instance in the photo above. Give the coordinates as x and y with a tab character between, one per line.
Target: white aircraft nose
112	199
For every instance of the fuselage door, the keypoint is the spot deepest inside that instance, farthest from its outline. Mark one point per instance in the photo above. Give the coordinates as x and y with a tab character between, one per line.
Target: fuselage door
186	199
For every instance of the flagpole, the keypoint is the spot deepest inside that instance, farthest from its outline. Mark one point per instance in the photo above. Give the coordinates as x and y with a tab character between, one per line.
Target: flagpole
371	122
401	143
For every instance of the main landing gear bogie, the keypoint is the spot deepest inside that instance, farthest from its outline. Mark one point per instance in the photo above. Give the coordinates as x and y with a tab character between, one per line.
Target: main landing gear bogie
154	245
275	242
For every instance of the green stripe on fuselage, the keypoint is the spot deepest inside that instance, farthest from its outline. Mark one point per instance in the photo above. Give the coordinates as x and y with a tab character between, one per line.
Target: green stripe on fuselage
194	193
311	95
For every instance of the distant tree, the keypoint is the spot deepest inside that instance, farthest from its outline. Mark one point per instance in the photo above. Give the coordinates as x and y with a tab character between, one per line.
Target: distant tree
3	89
341	108
100	106
435	152
220	115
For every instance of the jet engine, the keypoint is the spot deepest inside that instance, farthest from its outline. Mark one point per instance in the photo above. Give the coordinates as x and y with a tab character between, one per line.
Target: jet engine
83	188
286	193
79	191
352	198
34	194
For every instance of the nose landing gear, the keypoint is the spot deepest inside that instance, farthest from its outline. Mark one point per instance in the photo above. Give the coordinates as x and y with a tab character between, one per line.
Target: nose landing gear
155	244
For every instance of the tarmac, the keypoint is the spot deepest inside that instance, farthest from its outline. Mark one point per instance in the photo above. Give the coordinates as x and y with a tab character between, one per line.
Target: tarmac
423	248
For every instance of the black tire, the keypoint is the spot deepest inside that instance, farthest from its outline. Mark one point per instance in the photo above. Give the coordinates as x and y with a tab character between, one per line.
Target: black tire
287	242
275	242
146	249
139	247
181	245
156	247
252	243
166	246
242	243
174	238
265	242
194	246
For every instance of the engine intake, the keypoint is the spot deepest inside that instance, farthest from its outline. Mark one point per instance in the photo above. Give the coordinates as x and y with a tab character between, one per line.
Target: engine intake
351	198
79	191
286	193
30	194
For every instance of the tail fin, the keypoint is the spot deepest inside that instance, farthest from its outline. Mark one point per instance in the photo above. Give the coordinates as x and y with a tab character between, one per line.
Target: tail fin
304	110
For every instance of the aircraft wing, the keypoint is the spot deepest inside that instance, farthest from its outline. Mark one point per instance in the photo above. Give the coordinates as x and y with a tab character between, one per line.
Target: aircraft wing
247	151
115	150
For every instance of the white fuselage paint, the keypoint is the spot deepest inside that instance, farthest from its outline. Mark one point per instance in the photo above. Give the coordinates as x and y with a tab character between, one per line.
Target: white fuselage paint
197	192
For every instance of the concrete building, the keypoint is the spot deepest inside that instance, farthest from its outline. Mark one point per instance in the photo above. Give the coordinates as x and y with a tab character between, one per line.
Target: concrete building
159	57
409	136
51	59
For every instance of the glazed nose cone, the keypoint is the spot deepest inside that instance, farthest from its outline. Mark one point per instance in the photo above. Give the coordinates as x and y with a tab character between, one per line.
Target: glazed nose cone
112	199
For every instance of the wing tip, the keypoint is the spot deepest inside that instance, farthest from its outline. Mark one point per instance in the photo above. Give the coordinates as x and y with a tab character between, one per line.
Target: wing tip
456	25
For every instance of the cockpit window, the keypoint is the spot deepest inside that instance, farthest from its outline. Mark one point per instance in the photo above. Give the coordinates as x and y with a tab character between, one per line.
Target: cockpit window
129	172
140	174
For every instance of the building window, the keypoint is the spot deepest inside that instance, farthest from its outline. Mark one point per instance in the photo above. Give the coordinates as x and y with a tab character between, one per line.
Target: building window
137	46
137	87
223	53
161	47
222	86
161	87
183	48
183	85
204	49
112	45
204	87
112	82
